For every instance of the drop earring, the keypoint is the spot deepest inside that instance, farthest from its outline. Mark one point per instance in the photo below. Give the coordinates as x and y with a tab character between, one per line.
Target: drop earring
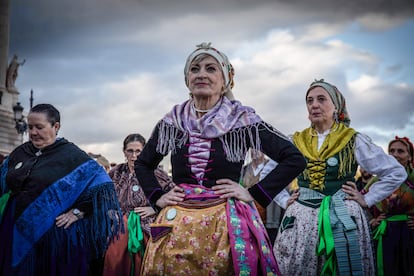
335	117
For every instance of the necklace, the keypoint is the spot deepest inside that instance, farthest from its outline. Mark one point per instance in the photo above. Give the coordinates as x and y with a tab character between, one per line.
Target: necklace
313	132
201	110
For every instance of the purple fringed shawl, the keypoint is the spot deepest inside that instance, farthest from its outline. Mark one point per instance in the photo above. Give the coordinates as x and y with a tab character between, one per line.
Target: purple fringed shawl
224	121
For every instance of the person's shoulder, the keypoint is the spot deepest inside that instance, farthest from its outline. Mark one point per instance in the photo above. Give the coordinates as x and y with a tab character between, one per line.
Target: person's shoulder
300	134
118	169
72	150
176	109
363	136
362	139
21	149
69	145
63	141
302	131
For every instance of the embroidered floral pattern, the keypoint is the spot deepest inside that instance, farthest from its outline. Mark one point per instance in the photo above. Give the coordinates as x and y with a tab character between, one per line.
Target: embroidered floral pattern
172	253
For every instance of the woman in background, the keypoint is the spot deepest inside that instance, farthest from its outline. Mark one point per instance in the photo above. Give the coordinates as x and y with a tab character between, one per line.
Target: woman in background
60	208
325	230
393	217
124	255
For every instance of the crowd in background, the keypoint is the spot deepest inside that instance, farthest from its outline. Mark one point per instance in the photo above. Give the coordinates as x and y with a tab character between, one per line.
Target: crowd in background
242	198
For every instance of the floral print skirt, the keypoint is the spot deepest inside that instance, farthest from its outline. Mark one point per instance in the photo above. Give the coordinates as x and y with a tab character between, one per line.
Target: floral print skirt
297	240
189	241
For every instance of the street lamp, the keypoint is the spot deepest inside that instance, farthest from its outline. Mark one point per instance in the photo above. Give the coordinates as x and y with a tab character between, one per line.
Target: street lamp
21	125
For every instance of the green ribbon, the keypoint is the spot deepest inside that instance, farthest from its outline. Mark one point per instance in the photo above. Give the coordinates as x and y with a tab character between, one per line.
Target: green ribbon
135	237
3	202
326	240
378	234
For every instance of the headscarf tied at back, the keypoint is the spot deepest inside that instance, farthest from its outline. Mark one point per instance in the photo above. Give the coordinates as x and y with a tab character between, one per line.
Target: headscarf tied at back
337	98
225	65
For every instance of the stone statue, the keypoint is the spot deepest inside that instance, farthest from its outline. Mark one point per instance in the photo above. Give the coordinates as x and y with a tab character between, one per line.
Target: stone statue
11	74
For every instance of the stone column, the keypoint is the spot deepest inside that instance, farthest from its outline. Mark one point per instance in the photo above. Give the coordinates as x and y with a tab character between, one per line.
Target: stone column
9	138
4	41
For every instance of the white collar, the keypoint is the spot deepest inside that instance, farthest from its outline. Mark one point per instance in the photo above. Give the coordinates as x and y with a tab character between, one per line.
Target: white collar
321	137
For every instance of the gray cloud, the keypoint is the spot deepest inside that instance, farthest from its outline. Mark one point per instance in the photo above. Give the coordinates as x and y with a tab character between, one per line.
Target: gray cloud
115	67
39	25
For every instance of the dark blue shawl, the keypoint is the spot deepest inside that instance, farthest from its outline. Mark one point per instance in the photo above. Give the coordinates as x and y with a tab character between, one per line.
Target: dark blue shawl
48	183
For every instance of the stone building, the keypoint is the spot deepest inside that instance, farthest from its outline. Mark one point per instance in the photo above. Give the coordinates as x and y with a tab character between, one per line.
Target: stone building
9	94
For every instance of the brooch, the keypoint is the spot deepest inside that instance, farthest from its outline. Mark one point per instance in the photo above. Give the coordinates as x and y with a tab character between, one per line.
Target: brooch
332	161
171	214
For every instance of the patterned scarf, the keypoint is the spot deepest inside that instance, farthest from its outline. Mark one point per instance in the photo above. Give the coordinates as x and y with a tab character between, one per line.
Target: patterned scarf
223	121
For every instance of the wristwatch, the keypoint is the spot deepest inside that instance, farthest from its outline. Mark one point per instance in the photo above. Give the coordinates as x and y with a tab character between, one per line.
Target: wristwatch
77	213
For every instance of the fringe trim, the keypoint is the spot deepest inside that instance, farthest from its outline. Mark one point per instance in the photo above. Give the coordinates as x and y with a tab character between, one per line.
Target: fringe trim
3	173
234	142
92	233
346	158
170	138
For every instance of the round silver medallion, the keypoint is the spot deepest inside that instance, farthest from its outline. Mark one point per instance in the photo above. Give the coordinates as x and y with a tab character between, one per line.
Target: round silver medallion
135	188
332	161
18	165
171	214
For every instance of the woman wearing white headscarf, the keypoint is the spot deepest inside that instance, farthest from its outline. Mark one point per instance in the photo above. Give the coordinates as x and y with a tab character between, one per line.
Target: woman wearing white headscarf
325	231
208	223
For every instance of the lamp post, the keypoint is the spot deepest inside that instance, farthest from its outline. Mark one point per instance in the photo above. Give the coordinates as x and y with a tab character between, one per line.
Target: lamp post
21	125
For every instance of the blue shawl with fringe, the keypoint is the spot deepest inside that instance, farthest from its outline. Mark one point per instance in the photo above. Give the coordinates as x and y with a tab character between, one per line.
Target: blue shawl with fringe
47	183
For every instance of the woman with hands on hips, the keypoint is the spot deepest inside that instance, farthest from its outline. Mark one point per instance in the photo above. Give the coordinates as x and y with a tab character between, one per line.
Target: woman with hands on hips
60	208
208	223
120	258
328	206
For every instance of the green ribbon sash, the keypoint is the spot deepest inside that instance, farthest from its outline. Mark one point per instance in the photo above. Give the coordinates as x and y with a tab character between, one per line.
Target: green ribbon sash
135	237
378	234
3	202
326	240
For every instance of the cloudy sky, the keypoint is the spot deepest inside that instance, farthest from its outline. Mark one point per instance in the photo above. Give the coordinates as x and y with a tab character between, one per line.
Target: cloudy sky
113	67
